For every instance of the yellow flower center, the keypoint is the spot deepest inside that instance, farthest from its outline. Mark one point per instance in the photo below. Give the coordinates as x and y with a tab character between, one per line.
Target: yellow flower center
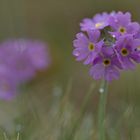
91	47
99	24
106	62
124	52
122	30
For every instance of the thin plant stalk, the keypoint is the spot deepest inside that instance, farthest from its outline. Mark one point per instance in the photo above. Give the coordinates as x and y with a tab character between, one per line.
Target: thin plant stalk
72	132
5	136
102	107
18	136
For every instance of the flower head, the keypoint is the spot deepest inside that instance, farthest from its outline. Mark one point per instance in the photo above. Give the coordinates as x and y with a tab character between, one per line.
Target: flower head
25	57
20	59
110	44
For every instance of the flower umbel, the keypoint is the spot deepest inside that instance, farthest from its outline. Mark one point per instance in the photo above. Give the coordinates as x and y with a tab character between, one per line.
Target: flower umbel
109	42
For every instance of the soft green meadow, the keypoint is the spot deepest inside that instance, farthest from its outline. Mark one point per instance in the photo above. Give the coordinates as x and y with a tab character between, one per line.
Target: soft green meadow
65	118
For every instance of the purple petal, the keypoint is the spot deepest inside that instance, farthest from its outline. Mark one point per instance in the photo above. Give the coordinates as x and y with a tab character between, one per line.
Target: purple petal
93	35
107	51
87	24
116	62
81	40
124	41
113	22
124	19
127	63
111	73
133	28
81	56
97	71
136	44
97	60
135	57
90	58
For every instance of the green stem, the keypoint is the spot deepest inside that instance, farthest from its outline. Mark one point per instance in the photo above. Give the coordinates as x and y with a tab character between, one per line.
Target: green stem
102	106
78	121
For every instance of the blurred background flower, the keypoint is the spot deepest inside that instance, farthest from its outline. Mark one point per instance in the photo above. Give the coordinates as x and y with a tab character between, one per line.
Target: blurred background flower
57	22
21	59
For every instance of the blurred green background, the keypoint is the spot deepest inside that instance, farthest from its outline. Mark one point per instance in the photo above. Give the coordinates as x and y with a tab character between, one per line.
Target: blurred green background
57	22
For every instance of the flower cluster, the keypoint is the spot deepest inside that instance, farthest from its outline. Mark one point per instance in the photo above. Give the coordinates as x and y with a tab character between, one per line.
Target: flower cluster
19	61
109	42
